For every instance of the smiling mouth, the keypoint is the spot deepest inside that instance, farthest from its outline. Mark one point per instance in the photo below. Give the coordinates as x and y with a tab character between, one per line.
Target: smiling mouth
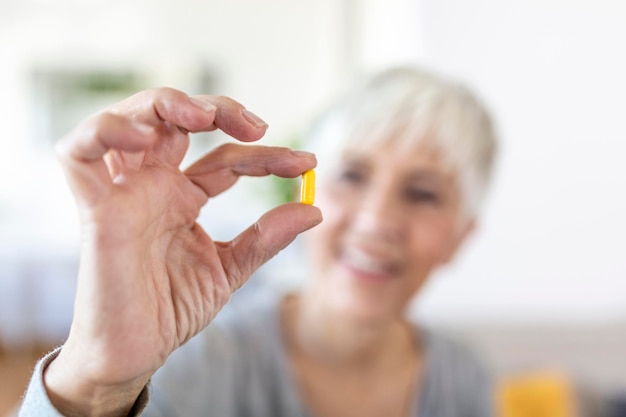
366	264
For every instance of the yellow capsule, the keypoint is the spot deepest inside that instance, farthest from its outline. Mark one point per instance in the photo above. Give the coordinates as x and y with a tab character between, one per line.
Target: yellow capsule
307	187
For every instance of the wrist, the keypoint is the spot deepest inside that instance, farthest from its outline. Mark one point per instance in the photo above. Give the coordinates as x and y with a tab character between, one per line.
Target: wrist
72	394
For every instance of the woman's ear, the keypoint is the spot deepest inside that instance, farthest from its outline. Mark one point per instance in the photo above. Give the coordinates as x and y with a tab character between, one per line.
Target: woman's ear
466	229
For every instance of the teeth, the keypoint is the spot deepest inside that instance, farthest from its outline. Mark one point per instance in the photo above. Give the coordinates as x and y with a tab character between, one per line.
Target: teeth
366	263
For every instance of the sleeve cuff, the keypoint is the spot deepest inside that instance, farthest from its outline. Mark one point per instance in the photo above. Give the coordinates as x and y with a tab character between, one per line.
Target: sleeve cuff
37	403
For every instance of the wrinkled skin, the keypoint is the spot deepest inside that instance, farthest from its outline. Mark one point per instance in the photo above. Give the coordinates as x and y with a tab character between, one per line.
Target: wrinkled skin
150	277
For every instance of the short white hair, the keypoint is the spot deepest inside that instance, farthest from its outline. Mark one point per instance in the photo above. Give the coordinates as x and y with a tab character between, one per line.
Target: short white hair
410	105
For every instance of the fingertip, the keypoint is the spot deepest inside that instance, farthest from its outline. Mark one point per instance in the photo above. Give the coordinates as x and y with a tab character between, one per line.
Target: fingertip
237	121
253	119
309	215
243	129
317	216
303	154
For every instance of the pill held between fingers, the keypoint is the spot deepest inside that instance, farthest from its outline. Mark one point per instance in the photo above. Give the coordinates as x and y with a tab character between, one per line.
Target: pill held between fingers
307	187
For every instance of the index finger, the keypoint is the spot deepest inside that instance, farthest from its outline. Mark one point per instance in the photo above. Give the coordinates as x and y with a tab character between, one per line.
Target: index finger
218	170
199	113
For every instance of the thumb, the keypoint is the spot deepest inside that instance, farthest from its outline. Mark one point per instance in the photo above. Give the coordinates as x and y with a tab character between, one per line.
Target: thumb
260	242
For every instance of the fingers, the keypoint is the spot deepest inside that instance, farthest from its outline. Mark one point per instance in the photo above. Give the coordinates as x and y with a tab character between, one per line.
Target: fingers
82	150
218	170
176	114
148	127
269	235
194	114
234	119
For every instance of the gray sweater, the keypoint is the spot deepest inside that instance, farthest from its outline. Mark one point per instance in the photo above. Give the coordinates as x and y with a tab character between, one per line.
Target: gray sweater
238	367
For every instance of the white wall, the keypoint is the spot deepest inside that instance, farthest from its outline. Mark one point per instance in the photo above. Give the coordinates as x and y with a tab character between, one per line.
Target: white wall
553	242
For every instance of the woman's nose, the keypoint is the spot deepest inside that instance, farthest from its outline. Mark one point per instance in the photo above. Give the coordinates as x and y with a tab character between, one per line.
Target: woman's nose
379	216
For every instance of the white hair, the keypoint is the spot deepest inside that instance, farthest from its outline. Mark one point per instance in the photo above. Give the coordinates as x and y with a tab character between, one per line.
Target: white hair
410	105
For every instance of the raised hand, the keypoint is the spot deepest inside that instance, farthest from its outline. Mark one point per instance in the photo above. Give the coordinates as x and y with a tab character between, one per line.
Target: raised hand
150	277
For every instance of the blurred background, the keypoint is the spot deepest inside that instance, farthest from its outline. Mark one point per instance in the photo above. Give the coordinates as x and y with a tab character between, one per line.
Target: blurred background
540	289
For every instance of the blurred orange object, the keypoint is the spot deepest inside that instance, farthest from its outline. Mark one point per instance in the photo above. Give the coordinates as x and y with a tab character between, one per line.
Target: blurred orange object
546	394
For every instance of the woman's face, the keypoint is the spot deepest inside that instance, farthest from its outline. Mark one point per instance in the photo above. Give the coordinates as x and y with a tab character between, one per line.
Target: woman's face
391	216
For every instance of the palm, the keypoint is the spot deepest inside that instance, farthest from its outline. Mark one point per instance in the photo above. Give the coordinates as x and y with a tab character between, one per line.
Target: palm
177	283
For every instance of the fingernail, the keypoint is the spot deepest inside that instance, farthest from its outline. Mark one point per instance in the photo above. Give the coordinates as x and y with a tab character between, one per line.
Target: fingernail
302	154
203	104
253	118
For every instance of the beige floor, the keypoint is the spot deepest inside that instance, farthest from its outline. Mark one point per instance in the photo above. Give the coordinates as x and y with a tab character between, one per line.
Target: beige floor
15	370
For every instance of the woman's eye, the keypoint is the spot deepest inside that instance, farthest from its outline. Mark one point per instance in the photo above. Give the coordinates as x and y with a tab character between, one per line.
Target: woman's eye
422	196
352	177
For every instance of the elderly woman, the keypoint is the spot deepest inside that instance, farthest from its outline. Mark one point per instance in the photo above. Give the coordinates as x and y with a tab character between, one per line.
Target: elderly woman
404	163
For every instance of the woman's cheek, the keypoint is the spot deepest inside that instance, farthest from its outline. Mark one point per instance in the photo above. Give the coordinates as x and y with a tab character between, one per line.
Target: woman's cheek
433	239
